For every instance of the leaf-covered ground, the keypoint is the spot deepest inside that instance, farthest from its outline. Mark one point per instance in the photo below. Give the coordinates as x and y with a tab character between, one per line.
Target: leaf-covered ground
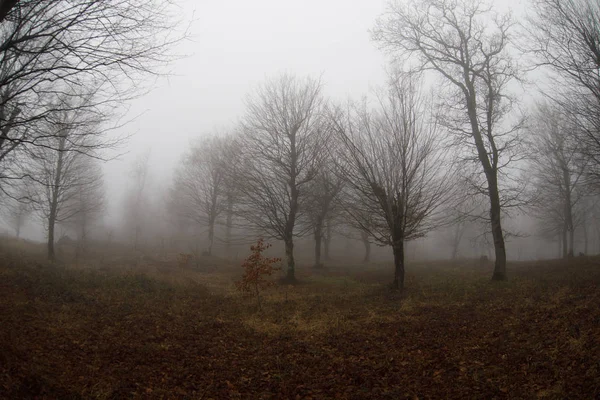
70	333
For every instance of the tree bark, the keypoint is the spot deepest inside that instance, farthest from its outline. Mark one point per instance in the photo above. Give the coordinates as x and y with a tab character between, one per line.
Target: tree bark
291	267
54	199
51	223
490	168
497	234
559	241
398	249
571	243
458	234
211	236
291	217
568	210
228	224
327	241
585	238
367	244
455	249
565	246
318	240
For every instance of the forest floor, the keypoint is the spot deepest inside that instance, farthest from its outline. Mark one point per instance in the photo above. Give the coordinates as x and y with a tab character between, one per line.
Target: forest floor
74	333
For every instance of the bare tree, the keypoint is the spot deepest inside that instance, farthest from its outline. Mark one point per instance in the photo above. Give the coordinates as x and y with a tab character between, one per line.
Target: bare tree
199	190
364	236
16	208
321	203
467	44
559	175
282	139
230	154
62	174
136	202
88	202
50	50
467	215
394	168
564	35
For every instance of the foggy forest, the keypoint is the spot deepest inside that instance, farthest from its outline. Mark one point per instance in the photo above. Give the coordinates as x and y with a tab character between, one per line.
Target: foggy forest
379	199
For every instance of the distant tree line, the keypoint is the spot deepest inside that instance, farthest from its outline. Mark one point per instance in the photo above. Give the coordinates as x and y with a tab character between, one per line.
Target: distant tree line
418	159
446	144
67	69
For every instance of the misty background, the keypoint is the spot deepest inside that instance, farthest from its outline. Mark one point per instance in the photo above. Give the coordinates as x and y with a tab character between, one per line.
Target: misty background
234	46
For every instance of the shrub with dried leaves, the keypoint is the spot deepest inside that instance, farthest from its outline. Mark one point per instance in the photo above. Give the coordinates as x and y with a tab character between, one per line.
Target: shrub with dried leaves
258	270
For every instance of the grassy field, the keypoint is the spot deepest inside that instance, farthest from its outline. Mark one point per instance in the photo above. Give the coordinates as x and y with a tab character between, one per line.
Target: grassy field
104	331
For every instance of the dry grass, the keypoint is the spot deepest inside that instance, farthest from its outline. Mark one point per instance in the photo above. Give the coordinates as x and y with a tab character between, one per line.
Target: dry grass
124	328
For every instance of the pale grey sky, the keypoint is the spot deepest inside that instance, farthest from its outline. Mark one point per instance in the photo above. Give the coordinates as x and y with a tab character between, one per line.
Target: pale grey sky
235	45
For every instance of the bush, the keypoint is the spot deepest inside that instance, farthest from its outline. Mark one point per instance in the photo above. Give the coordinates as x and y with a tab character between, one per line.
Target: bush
258	270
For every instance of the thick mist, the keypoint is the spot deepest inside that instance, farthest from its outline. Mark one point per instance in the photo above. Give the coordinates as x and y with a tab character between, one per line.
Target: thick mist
232	48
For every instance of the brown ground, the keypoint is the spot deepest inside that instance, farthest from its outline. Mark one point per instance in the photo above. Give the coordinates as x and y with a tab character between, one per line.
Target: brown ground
70	333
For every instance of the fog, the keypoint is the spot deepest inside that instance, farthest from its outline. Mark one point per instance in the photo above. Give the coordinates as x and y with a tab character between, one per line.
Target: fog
230	50
234	46
368	199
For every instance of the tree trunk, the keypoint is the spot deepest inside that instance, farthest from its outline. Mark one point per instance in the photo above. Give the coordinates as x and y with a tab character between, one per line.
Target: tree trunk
585	238
289	253
318	240
565	238
490	168
559	245
54	198
327	241
211	236
497	234
51	223
18	230
565	246
458	234
454	251
568	210
318	235
571	243
228	224
367	244
293	211
398	249
81	242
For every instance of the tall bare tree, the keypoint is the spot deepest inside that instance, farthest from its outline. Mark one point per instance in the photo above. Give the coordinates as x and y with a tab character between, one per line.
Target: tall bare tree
230	153
321	204
136	202
63	174
282	139
559	175
467	44
394	167
49	49
88	203
564	35
199	192
16	209
364	236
